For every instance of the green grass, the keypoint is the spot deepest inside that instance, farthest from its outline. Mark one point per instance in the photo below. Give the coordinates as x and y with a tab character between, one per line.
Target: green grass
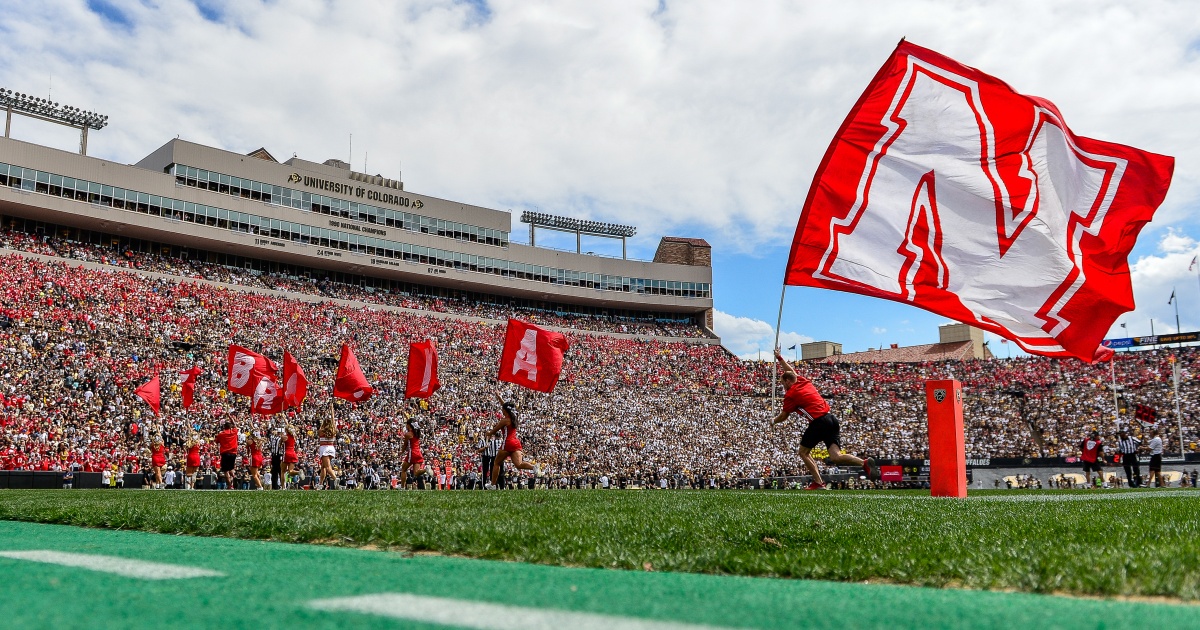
1146	545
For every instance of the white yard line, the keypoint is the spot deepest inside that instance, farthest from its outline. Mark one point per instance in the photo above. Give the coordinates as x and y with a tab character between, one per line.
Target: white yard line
484	616
126	567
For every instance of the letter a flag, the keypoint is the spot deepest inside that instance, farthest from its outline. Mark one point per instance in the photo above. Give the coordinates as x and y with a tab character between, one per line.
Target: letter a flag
947	190
246	367
188	385
422	370
532	357
295	384
267	399
351	384
149	392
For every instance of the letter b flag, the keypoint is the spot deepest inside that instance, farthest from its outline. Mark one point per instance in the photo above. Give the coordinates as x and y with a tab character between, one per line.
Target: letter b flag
532	356
422	379
946	189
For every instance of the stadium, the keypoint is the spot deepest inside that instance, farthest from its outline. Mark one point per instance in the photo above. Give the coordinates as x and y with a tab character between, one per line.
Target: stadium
655	481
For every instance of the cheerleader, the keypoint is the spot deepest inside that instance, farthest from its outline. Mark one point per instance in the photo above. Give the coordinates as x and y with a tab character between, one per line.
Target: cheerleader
192	463
290	458
326	438
158	460
256	461
512	448
414	460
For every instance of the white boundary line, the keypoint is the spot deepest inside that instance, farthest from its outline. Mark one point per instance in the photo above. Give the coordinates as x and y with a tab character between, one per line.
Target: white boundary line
486	616
126	567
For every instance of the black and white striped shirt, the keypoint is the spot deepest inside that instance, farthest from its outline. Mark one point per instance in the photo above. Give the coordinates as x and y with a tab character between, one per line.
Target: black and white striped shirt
1128	444
490	446
277	446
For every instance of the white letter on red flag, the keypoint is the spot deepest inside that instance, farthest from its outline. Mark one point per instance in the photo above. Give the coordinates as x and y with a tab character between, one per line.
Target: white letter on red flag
946	189
246	367
422	379
532	356
295	383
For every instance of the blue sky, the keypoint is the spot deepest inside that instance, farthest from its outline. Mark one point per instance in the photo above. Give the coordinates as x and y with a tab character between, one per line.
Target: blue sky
701	119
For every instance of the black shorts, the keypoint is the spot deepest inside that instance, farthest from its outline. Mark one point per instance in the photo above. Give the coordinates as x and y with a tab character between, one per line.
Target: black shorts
1092	467
1156	463
824	429
227	461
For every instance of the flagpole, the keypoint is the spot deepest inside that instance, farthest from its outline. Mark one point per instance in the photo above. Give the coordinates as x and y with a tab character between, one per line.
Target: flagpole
778	323
1176	301
1112	366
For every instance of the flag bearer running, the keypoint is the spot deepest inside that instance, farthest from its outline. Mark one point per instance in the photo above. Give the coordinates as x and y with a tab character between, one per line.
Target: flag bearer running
802	397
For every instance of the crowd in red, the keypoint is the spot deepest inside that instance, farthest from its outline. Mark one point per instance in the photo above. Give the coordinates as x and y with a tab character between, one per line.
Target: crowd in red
75	342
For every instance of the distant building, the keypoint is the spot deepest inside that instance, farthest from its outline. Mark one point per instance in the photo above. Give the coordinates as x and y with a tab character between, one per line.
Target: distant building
956	342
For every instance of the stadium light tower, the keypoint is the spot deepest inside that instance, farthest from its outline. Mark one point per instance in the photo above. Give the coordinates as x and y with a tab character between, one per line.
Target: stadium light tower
579	227
49	111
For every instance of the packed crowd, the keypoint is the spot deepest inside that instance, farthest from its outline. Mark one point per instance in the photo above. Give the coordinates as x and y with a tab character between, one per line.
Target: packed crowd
75	342
11	239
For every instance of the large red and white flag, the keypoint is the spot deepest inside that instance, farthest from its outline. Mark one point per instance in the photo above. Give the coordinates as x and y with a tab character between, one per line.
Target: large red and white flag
187	386
532	356
422	380
295	383
350	383
150	392
946	189
267	399
246	367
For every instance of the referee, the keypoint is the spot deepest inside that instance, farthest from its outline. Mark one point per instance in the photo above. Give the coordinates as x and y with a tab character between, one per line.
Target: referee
277	448
1128	445
488	447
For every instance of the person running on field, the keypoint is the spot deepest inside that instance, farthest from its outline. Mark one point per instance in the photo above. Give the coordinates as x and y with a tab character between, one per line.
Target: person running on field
326	437
1092	454
414	460
512	445
801	397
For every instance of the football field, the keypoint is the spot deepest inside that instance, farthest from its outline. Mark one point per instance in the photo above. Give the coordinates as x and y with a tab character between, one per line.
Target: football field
682	559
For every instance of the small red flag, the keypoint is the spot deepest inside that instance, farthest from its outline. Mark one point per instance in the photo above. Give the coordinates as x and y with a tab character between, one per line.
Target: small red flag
246	367
267	399
351	384
532	356
295	384
188	385
422	379
149	392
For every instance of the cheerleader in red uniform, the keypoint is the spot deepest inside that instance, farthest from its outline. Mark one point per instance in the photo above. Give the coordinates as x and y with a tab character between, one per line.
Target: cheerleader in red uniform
192	463
256	460
290	458
512	445
414	460
158	460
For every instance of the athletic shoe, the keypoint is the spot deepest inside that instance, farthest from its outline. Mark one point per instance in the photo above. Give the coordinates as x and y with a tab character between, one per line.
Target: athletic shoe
872	469
539	470
816	486
489	487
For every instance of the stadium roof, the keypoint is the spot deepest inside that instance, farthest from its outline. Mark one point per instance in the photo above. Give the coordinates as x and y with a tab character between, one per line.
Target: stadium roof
956	351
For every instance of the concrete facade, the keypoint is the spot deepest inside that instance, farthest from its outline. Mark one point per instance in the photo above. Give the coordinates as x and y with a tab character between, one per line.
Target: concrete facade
151	176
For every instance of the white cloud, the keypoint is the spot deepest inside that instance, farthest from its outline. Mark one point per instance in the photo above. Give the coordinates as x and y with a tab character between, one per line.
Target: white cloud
1154	278
745	336
700	117
877	330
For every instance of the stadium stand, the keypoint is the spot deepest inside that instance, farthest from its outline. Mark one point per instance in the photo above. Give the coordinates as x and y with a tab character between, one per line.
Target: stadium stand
636	407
